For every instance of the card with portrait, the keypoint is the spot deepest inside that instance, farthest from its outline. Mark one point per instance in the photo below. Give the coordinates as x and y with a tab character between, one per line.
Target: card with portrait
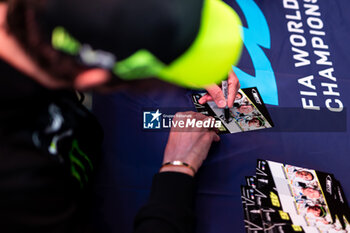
248	112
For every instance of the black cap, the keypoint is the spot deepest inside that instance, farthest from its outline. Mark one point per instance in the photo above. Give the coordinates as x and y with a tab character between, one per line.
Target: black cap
166	28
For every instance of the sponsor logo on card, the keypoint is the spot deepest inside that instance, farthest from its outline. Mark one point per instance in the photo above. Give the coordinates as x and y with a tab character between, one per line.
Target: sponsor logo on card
329	185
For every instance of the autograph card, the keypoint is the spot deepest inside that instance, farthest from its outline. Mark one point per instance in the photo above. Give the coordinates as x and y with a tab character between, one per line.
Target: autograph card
288	198
265	220
309	194
344	211
252	217
248	112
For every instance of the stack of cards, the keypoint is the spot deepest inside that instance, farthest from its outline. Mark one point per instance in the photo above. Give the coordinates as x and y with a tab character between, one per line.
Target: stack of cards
248	113
286	198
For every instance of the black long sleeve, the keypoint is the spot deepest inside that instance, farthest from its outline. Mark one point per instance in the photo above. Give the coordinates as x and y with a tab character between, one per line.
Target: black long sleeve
170	207
38	192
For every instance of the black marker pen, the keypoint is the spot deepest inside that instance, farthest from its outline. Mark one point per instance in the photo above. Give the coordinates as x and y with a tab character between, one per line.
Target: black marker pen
225	91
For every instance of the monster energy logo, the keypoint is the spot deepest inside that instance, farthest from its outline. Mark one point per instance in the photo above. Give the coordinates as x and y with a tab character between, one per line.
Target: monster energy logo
81	165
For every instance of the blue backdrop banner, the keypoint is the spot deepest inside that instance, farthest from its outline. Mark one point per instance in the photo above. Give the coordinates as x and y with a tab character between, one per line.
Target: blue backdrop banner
297	54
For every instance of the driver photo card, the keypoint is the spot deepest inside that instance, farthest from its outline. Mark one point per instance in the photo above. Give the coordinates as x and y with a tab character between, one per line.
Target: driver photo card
315	196
248	112
258	219
252	217
343	208
299	199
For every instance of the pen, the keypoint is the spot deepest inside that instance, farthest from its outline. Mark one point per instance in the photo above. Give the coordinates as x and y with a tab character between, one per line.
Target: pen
225	91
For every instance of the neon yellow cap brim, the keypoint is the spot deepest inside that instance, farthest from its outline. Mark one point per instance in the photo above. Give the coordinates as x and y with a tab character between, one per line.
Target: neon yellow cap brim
217	47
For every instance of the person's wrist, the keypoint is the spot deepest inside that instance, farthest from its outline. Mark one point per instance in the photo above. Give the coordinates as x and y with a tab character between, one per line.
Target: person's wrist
180	169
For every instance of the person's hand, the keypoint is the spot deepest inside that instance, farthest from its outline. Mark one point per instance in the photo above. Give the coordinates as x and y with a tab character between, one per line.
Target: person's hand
215	93
189	144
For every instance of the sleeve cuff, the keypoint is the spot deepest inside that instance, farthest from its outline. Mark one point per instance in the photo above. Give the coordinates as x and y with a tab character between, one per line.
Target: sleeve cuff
173	188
